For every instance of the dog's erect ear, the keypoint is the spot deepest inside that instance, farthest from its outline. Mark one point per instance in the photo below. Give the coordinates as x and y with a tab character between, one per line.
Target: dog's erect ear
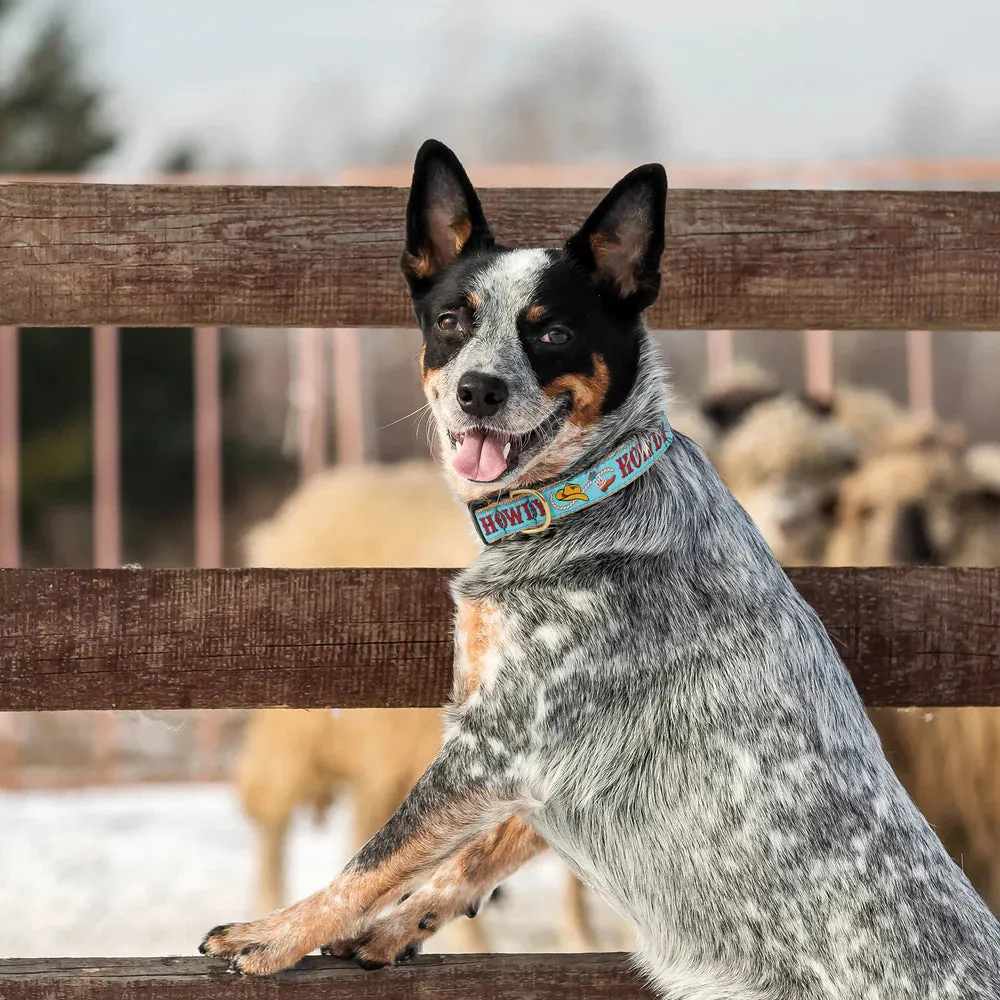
443	216
622	241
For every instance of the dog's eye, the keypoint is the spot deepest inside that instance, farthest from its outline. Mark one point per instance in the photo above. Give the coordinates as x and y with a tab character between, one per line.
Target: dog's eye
448	322
556	335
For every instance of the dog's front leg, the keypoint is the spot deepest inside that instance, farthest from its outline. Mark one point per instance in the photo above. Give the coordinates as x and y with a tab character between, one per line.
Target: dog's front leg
446	809
457	888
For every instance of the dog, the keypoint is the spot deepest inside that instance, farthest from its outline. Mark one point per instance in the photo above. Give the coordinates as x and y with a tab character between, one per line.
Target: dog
637	683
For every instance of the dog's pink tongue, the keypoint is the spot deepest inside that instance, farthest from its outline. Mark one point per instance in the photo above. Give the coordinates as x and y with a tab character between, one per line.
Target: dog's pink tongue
480	457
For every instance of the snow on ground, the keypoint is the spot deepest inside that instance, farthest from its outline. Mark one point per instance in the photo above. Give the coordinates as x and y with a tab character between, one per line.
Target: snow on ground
147	870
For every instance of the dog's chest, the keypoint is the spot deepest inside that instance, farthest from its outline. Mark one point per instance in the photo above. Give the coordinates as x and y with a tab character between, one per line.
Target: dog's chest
480	632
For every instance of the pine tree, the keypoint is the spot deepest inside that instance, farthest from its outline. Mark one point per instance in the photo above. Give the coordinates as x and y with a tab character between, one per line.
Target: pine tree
51	116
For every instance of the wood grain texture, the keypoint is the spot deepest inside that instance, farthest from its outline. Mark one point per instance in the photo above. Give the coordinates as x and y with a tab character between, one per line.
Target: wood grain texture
85	254
451	977
166	639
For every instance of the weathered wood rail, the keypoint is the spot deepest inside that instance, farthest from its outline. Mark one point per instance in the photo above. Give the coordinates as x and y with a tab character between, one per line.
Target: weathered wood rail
88	254
160	639
431	977
140	255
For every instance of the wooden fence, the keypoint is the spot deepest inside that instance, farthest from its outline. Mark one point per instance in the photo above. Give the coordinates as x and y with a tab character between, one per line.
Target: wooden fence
331	361
92	255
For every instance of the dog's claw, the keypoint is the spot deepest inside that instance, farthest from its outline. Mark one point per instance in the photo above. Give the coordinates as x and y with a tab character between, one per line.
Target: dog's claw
407	954
472	911
426	920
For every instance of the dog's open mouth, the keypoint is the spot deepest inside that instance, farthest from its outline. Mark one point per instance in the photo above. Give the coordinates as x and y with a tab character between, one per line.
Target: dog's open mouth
484	455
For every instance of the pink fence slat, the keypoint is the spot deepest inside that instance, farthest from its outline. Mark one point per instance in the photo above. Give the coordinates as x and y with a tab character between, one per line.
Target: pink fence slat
920	370
819	363
350	397
309	394
106	747
209	733
852	173
107	448
10	450
10	750
719	352
207	447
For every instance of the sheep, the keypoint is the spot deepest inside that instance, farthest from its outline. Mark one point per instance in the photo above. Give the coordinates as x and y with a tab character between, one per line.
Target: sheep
866	412
899	507
917	500
979	509
784	461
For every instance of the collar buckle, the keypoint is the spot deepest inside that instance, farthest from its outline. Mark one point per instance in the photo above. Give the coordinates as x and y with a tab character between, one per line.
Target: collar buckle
538	498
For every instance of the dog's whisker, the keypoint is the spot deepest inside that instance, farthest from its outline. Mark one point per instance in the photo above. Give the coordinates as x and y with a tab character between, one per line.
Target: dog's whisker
392	423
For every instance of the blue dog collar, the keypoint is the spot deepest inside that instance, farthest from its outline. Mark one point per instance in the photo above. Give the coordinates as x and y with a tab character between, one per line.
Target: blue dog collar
531	511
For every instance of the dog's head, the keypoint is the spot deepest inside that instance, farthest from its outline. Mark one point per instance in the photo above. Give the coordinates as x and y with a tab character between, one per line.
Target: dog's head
526	352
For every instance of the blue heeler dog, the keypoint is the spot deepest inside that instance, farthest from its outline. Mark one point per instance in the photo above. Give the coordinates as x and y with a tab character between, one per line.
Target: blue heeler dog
637	683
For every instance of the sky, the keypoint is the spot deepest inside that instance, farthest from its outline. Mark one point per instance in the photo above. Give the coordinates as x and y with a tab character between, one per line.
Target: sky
733	80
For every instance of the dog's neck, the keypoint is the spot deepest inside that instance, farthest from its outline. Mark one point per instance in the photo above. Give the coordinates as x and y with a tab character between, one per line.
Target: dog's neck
631	521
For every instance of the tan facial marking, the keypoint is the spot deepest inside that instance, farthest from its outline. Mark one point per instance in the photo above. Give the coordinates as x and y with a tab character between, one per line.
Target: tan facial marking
535	314
477	634
431	377
475	302
588	391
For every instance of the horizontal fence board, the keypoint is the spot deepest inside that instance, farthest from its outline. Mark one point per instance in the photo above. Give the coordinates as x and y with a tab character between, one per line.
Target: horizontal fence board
162	639
135	255
452	977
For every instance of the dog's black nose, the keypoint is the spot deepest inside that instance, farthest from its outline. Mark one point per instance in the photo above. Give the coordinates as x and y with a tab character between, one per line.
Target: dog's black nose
481	395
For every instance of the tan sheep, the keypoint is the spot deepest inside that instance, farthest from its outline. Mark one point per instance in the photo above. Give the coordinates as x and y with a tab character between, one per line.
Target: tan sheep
979	544
784	462
867	413
899	507
914	501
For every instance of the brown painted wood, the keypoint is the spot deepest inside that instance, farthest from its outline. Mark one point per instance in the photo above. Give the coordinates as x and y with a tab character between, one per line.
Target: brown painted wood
431	977
133	255
165	639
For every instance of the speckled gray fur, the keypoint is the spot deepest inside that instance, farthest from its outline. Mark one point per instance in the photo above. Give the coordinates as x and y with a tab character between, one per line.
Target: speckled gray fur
700	756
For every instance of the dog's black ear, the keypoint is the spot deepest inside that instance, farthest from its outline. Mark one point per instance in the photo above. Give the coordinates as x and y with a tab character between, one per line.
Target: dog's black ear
443	216
622	242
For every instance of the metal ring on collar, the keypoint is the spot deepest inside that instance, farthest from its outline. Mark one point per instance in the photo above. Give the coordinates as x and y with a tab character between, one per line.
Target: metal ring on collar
545	506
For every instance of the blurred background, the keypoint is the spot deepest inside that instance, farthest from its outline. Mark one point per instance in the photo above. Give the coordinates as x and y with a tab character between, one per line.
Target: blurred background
123	833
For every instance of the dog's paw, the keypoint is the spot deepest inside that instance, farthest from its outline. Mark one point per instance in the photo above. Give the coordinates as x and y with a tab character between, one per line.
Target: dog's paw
372	951
398	934
250	950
